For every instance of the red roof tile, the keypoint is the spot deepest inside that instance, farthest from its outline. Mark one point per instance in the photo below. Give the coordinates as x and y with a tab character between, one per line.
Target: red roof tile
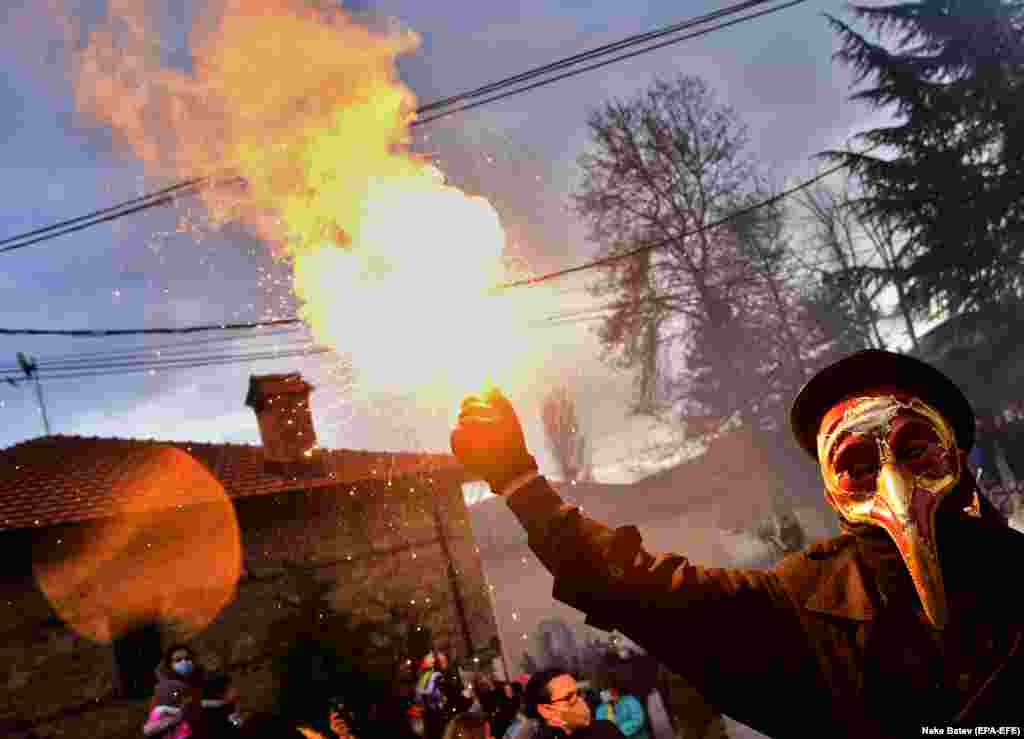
61	479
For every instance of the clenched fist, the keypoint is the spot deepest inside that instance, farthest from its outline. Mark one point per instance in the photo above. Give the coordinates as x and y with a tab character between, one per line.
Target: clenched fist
488	441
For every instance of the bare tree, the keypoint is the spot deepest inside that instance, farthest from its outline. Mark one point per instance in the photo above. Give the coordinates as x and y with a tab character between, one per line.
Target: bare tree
566	440
705	316
859	258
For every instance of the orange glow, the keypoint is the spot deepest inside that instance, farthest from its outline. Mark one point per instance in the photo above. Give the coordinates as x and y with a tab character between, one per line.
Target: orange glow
392	265
178	564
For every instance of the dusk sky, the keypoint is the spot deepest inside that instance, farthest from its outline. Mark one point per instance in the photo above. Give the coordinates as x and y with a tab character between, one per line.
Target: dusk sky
142	271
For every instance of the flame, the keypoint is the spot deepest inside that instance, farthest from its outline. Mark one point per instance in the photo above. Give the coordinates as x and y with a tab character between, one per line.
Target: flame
392	264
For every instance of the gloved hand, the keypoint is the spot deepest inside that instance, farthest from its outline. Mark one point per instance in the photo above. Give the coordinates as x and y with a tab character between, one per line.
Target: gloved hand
488	441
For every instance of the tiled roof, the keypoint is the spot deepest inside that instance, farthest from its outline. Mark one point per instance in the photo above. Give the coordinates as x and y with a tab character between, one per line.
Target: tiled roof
61	479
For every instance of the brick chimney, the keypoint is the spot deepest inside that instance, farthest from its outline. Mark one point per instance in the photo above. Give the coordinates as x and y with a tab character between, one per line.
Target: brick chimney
281	403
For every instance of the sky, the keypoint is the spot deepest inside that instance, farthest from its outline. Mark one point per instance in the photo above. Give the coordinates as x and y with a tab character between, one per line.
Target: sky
148	271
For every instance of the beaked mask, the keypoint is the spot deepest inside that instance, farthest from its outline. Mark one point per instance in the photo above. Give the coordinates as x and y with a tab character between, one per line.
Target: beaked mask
890	460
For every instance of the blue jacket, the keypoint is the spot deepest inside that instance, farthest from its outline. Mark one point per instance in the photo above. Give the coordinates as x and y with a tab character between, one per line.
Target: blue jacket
629	717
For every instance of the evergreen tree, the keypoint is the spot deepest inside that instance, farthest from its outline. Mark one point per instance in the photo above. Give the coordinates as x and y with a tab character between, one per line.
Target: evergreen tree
949	173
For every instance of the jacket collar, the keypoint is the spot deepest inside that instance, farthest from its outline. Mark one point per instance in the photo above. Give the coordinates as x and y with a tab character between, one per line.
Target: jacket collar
843	592
867	571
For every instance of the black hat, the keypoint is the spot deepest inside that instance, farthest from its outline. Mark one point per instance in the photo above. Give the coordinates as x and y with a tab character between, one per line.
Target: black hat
873	367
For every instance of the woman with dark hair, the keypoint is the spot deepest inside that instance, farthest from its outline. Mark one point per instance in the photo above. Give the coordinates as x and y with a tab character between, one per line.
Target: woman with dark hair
179	664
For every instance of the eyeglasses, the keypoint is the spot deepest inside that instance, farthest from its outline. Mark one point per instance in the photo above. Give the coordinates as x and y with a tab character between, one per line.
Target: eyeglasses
570	699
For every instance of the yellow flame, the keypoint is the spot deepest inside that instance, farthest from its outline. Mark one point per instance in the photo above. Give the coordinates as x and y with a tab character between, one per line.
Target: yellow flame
392	264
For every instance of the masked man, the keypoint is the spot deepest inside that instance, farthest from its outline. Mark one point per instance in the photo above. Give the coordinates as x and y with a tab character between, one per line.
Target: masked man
902	621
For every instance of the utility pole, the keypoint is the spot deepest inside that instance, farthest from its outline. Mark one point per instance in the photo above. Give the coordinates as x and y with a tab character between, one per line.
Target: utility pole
31	370
453	578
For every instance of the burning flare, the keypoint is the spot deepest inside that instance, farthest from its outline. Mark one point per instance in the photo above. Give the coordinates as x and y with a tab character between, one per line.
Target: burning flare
304	105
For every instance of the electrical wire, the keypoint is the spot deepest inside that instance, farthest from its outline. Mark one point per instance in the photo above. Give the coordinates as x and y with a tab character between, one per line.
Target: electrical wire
288	334
113	216
605	63
169	349
594	264
95	333
158	195
526	282
153	368
170	194
114	358
591	54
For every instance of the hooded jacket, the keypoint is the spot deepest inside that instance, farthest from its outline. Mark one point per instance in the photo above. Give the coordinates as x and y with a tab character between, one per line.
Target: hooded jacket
831	637
193	711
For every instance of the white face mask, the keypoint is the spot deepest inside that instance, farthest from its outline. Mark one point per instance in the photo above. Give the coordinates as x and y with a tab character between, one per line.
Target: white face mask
606	696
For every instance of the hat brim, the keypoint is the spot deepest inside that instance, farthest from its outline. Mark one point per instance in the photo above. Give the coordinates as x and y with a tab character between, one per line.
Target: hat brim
872	368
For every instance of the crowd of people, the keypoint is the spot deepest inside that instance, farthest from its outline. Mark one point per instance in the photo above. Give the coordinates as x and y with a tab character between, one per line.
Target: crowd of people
192	703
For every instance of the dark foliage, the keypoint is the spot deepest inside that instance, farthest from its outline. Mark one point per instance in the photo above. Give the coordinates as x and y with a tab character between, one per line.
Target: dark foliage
319	653
951	172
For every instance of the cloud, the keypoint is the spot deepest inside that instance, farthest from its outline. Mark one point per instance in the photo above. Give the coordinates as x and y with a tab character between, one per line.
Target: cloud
179	414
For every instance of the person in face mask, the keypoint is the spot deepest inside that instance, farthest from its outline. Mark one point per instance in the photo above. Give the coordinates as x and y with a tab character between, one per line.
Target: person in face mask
179	664
900	622
553	697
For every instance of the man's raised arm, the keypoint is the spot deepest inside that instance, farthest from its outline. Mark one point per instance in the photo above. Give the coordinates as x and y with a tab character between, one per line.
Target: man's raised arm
734	634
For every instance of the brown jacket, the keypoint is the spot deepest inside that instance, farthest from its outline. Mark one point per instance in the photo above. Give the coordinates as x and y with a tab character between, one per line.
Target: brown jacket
831	638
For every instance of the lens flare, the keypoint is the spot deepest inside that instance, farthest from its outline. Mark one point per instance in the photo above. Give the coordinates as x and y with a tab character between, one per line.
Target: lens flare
171	552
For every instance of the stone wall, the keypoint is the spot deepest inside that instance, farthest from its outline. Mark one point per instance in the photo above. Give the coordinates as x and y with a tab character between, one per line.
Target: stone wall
377	543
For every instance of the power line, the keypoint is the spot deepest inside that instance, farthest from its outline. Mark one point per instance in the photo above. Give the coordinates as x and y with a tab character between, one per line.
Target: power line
162	195
163	350
665	242
591	54
97	333
170	194
153	368
112	216
526	282
605	63
115	359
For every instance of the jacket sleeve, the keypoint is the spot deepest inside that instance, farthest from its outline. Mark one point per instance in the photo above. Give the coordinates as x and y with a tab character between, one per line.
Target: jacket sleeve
160	720
734	634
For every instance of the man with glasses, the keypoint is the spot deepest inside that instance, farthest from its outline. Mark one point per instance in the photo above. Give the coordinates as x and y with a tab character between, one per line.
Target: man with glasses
553	697
899	624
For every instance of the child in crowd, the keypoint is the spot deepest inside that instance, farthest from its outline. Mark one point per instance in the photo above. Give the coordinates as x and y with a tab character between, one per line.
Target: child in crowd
167	719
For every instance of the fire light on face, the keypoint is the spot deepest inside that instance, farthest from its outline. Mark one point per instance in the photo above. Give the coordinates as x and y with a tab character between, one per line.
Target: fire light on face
304	104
